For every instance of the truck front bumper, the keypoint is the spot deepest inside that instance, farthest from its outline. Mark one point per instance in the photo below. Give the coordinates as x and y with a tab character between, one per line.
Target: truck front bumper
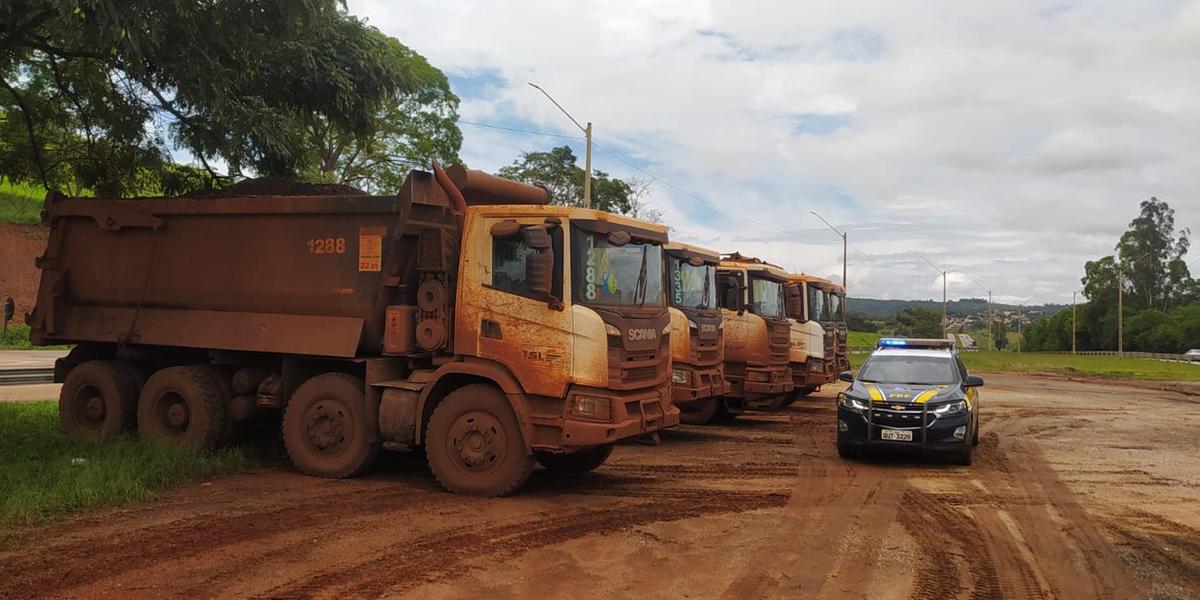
699	384
809	373
629	414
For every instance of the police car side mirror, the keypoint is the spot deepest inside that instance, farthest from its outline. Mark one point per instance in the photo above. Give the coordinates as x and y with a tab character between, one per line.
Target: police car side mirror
973	381
848	377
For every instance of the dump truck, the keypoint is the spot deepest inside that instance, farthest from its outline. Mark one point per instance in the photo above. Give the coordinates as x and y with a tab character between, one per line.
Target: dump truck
756	333
697	348
463	317
808	339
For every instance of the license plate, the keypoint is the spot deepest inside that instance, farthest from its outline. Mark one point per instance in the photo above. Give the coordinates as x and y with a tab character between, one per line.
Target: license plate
895	435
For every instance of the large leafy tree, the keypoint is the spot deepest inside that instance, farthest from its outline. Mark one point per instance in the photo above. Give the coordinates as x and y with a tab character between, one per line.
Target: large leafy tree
558	171
919	322
1152	253
96	92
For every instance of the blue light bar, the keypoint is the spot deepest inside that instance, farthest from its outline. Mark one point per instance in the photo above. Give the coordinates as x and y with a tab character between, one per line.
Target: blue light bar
914	343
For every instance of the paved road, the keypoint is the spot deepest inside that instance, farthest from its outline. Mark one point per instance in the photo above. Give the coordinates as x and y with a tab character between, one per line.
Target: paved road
13	359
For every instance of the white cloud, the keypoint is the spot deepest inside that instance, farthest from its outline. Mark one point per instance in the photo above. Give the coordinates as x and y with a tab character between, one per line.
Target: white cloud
1007	141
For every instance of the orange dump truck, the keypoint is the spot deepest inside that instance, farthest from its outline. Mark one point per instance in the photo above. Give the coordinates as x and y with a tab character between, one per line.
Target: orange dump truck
756	333
697	347
462	315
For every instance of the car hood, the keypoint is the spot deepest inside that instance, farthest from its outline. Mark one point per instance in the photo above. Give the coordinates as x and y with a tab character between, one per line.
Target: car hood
905	393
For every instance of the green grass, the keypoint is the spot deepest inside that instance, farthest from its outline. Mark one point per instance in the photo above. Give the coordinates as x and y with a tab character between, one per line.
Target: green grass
1109	367
17	338
43	474
862	339
20	202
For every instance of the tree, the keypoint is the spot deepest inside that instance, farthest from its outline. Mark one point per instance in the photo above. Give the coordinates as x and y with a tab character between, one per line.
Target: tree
91	88
411	131
1152	253
557	171
919	322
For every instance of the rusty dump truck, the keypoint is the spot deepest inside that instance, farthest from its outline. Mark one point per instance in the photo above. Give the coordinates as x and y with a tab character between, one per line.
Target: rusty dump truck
697	347
462	316
756	333
811	347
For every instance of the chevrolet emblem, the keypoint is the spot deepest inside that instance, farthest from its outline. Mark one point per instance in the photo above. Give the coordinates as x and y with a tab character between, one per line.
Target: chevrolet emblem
897	407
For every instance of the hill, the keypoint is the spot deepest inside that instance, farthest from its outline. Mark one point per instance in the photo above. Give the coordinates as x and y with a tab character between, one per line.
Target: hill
873	307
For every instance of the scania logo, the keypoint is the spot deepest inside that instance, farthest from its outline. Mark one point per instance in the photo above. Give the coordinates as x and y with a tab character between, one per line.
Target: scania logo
638	335
707	328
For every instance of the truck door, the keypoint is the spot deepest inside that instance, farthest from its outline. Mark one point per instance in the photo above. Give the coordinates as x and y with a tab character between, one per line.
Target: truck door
518	326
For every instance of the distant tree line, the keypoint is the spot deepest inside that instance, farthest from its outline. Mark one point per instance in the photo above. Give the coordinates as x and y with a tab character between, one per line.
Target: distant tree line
1161	299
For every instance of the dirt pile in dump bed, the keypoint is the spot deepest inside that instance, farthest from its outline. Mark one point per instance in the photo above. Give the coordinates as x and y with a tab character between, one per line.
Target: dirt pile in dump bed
19	246
278	186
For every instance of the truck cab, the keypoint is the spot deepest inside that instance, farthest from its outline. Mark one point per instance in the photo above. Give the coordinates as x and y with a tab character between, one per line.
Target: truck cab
808	339
697	347
836	321
751	293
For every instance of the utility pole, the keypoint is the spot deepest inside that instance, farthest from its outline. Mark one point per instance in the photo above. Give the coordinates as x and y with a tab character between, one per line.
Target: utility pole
945	312
845	259
587	136
991	325
1020	335
1073	323
1120	312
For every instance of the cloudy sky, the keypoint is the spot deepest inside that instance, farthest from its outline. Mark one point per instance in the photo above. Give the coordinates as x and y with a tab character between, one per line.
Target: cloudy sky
1007	141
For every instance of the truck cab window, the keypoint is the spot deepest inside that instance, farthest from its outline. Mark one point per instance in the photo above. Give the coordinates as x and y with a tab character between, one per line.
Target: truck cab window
508	264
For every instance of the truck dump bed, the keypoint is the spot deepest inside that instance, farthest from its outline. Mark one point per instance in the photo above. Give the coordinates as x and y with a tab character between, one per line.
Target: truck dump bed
297	274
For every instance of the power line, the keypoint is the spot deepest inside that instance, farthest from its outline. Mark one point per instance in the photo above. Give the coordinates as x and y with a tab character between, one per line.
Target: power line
656	178
527	131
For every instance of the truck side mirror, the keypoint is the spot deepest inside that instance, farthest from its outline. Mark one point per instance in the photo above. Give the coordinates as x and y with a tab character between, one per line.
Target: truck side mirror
847	376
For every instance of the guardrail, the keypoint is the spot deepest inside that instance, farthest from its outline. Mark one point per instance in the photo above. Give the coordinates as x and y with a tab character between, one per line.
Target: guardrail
26	376
1151	355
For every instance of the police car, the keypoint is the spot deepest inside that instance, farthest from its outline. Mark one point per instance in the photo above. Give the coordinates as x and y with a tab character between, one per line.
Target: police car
910	394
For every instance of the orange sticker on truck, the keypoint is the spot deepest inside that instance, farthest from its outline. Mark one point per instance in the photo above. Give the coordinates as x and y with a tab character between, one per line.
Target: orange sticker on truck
370	248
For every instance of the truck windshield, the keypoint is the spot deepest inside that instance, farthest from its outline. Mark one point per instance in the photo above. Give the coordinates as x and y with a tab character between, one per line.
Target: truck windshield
816	302
692	286
767	296
919	370
604	274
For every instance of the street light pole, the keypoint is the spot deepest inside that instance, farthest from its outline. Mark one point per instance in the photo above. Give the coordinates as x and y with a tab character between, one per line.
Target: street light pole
845	259
1120	312
991	329
587	136
1072	322
945	312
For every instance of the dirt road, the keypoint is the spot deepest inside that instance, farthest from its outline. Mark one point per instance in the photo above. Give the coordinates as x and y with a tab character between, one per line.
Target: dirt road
1079	490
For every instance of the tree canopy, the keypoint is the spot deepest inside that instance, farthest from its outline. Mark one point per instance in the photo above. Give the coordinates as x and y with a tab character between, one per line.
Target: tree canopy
97	94
558	171
919	322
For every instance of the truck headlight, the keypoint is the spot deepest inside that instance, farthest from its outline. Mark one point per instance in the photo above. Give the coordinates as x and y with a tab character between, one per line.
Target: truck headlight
590	407
679	376
610	330
854	404
757	376
692	325
950	408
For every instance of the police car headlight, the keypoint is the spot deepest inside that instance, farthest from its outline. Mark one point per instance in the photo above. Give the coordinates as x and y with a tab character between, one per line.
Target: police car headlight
854	404
950	408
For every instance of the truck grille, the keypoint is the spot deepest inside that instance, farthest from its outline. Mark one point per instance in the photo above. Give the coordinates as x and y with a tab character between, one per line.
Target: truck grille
778	341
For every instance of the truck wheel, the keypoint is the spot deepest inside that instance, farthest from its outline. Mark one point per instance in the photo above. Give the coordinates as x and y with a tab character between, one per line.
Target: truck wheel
98	400
699	416
806	390
473	443
183	407
324	428
573	464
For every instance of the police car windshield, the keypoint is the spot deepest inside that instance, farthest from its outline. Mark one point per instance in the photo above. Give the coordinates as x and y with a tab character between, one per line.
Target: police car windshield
908	369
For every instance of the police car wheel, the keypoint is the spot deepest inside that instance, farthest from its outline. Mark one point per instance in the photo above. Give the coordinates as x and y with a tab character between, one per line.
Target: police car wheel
846	450
975	435
964	456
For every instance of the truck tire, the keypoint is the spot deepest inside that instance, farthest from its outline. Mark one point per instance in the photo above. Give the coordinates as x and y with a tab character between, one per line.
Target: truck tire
98	400
182	407
964	457
702	415
474	445
578	463
325	428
